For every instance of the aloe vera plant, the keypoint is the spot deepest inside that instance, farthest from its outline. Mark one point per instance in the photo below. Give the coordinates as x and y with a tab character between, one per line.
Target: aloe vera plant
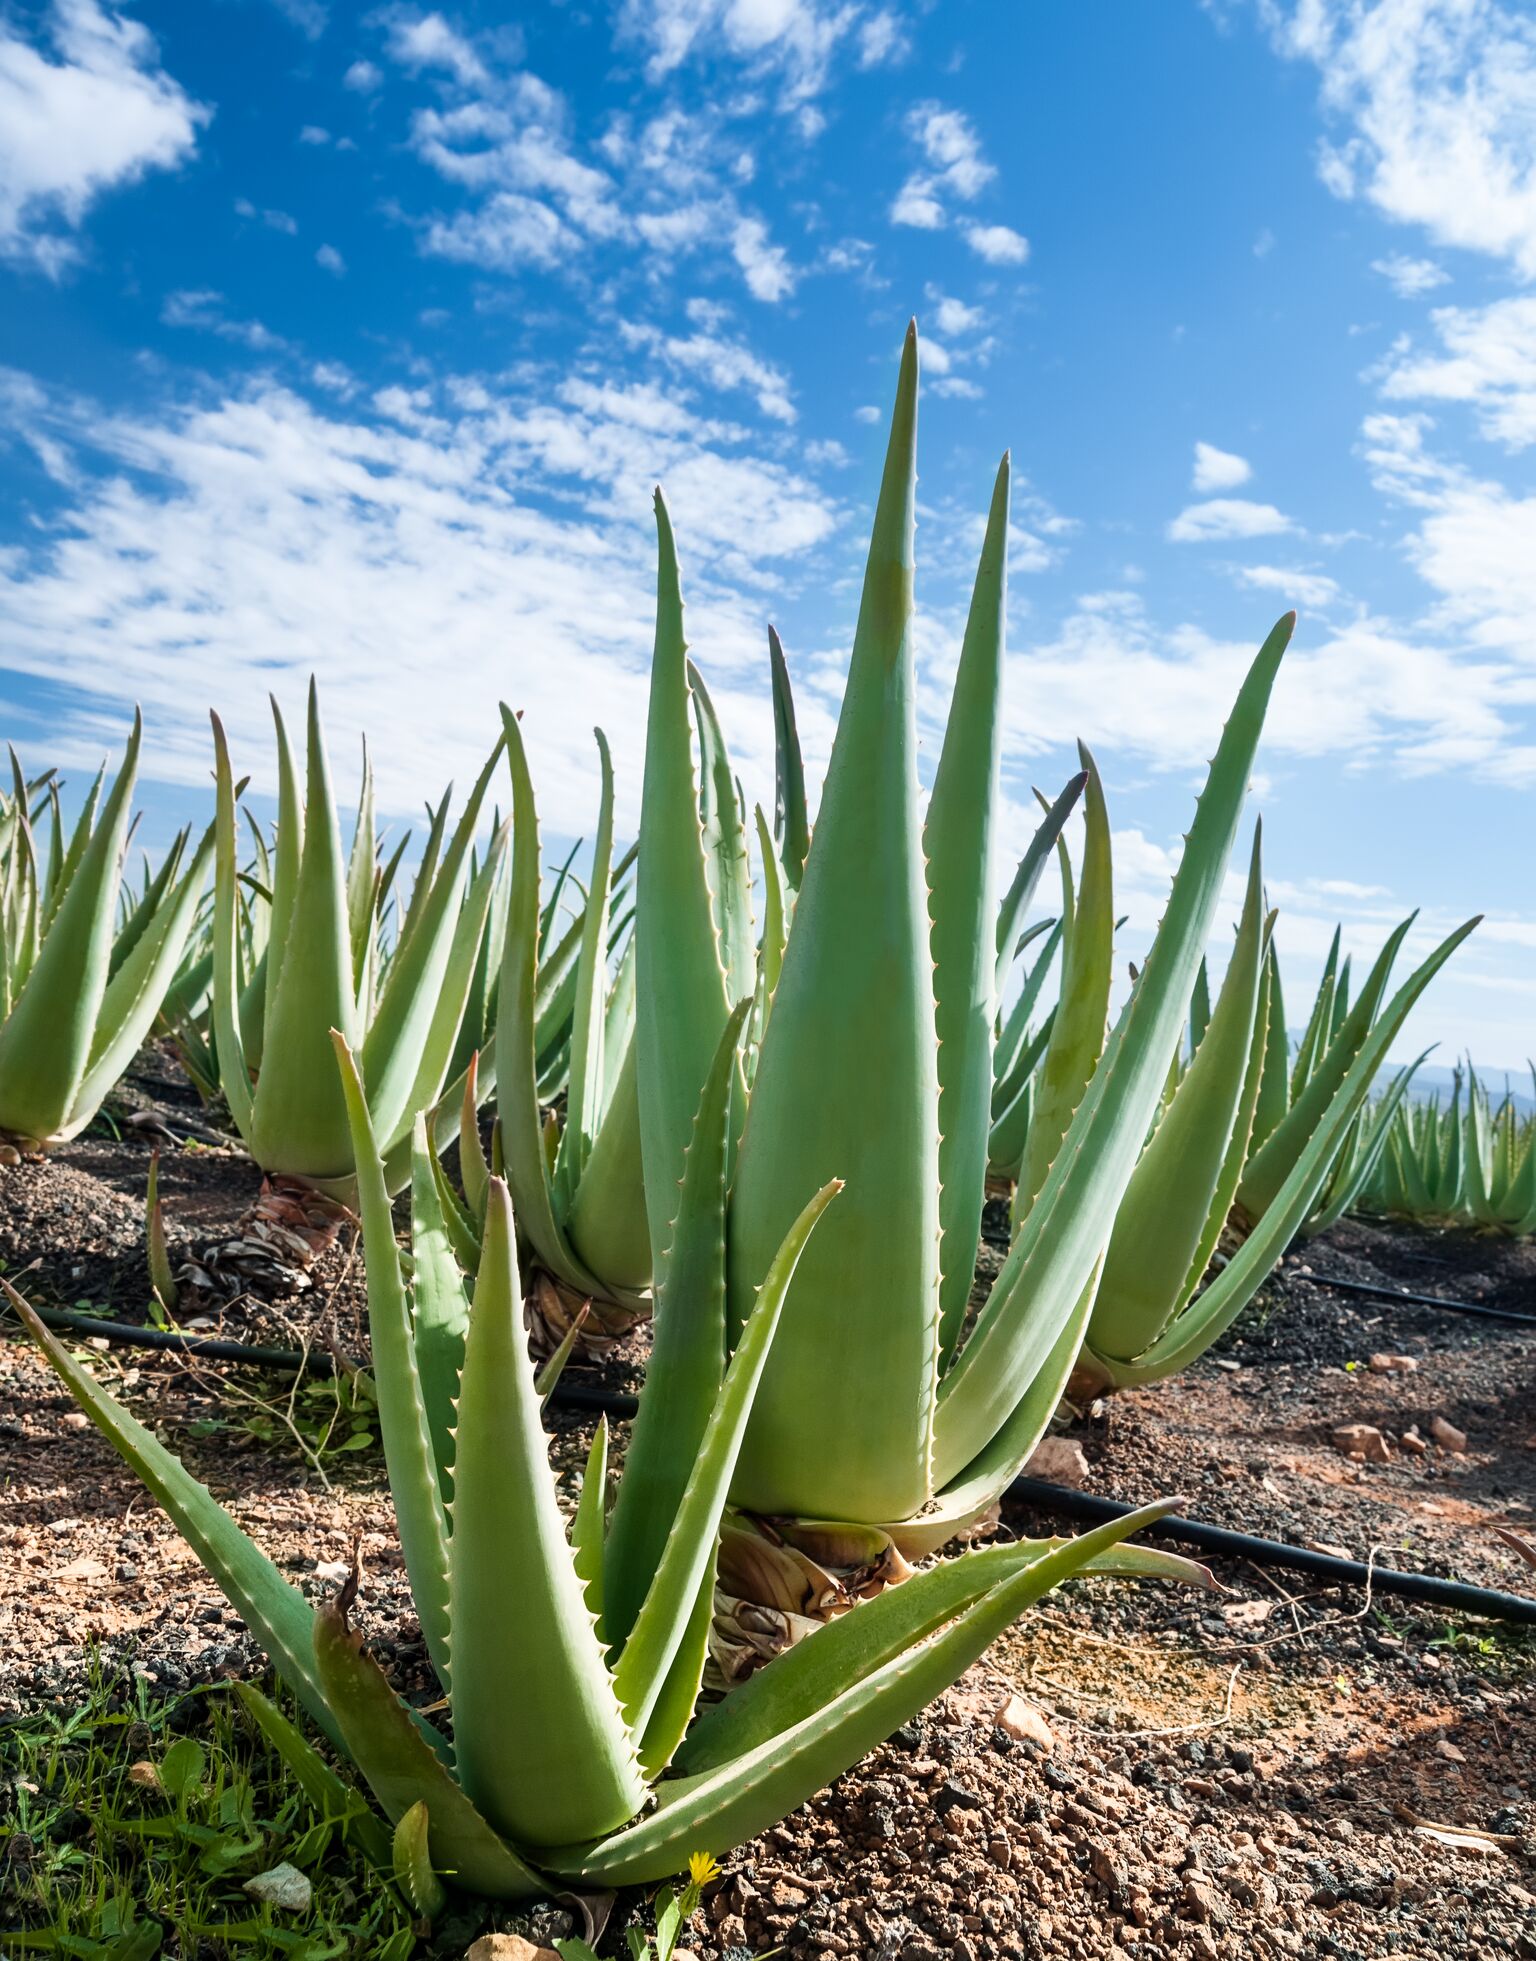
322	968
79	986
871	1409
1148	1320
571	1653
1466	1162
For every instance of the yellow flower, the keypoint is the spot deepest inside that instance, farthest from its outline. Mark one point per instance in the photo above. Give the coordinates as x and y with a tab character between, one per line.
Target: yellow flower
703	1868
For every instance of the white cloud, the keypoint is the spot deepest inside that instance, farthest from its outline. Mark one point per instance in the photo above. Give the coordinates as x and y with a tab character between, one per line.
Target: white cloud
1226	518
1264	243
764	265
505	233
1440	100
102	114
204	312
1294	587
330	260
999	245
723	363
792	40
314	135
451	546
364	77
952	316
1219	469
427	41
954	166
278	221
882	39
1410	278
1489	362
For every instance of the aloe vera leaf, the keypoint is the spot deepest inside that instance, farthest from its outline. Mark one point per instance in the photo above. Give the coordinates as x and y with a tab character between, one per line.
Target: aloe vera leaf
660	1626
583	1111
362	866
1370	1147
277	1614
1275	1085
408	1445
682	1381
138	918
406	1051
335	1800
722	1807
1315	1035
959	845
1082	1013
287	852
462	1229
385	1741
608	1229
1010	914
791	822
1014	1030
1063	1238
528	1169
847	1084
45	1043
426	871
724	837
554	1761
474	1169
85	828
440	1304
299	1119
1162	1217
680	1000
412	1863
679	1696
1269	1166
133	995
589	1525
1214	1311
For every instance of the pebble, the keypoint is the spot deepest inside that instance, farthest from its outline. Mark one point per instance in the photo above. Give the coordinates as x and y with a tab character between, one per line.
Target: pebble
1023	1722
1363	1440
1393	1365
1447	1434
283	1886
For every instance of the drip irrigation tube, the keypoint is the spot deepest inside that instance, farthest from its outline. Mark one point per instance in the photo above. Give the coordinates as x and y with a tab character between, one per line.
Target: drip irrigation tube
1421	1300
1454	1595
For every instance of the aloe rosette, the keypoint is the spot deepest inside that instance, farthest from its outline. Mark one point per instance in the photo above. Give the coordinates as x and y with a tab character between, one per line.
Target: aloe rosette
571	1652
80	986
1463	1162
1151	1316
870	1410
322	968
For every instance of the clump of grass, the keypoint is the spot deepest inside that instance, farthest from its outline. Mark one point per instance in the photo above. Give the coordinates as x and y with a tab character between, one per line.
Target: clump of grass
129	1826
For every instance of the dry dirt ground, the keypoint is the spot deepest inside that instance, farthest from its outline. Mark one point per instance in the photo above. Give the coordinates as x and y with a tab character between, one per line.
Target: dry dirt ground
1273	1768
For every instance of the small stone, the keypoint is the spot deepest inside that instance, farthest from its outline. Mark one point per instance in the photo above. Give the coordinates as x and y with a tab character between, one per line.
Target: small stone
1393	1364
284	1886
1447	1749
1059	1460
1413	1443
509	1947
1447	1434
1023	1722
76	1419
332	1571
1363	1440
84	1568
1000	1852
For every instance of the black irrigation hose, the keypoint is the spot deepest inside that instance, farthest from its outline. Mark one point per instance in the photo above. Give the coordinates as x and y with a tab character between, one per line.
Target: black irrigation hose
1454	1595
1420	1300
288	1361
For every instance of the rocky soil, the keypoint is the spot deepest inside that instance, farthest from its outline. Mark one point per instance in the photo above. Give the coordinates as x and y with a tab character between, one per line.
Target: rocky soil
1271	1768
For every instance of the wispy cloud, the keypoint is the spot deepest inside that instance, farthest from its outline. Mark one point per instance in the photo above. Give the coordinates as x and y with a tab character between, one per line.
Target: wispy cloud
1438	98
1410	278
1487	360
93	112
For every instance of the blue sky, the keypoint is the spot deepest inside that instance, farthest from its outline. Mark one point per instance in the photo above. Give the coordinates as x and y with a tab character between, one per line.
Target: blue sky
352	339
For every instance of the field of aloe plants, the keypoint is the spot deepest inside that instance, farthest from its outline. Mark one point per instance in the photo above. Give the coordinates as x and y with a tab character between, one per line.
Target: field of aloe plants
685	1291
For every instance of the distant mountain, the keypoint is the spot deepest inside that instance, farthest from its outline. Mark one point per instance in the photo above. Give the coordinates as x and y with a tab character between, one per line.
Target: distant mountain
1439	1076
